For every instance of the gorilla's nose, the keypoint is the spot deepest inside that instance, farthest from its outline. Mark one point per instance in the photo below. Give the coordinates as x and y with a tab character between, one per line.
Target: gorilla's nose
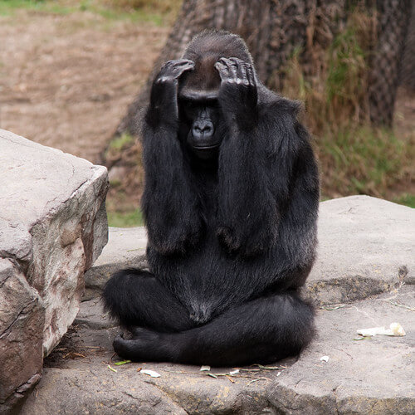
202	129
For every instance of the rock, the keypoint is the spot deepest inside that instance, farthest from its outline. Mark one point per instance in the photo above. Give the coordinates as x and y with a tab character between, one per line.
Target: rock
52	228
126	248
22	321
367	376
92	315
361	376
366	247
374	375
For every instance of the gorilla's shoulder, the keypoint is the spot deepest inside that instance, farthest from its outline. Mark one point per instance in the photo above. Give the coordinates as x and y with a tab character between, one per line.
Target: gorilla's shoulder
275	102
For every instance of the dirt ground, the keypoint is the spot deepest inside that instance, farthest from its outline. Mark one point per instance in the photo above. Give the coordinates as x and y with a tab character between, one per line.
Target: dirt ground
66	79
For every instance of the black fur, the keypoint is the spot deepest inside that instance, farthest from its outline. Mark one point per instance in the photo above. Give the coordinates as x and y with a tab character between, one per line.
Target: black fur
232	231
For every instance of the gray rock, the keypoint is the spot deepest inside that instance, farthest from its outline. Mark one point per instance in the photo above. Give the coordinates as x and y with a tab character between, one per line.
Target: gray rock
374	375
365	262
366	247
361	376
52	228
22	319
126	248
92	315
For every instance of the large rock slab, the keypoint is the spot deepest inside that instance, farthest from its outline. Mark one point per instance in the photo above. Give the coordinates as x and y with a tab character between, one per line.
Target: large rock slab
370	376
366	247
361	376
53	226
365	262
22	321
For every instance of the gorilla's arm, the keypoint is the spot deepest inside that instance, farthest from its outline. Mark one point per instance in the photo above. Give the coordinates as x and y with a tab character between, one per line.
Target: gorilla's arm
170	203
257	161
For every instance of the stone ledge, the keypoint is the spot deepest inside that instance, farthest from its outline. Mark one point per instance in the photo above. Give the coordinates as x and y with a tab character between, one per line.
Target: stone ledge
368	376
364	249
53	226
364	263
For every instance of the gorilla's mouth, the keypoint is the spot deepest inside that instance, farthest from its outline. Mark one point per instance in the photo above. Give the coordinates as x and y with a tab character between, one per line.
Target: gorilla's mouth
206	152
212	147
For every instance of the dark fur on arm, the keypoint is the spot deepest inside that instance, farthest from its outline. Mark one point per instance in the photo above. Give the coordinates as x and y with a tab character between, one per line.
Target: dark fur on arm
170	203
255	177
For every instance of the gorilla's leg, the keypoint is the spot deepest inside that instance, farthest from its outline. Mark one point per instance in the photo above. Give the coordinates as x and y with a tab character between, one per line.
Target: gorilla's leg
135	298
263	330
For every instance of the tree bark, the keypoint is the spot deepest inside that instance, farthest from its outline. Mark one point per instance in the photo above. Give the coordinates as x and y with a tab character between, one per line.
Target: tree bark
393	20
407	78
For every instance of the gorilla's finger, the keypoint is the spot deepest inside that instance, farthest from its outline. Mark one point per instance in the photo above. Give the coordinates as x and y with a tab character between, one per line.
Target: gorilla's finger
222	69
233	69
183	65
251	75
242	73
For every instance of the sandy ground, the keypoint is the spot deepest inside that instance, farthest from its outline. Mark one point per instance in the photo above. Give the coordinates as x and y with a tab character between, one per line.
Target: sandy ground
66	80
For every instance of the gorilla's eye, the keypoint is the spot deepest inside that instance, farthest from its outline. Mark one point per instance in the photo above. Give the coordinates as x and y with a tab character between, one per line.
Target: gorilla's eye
188	104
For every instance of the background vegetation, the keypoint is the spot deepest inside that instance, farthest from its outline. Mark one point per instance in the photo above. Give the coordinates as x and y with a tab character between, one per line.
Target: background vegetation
355	158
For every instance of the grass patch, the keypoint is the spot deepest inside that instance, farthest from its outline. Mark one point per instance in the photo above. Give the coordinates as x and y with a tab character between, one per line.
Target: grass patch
336	93
125	219
109	10
117	145
362	160
406	199
9	7
120	142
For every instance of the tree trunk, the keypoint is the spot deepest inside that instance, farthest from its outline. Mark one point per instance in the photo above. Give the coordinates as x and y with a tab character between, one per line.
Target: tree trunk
393	20
408	60
272	29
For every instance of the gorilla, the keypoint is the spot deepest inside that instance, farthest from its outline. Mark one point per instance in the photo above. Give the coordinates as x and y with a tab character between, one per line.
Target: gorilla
230	204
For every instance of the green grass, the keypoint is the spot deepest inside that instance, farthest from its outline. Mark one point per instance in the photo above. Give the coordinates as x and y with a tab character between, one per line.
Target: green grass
98	7
346	70
355	158
362	160
406	199
125	219
118	145
9	7
120	142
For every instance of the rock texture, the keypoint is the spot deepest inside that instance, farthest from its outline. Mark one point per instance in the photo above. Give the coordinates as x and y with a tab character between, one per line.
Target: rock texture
22	321
371	376
366	247
361	376
126	248
52	228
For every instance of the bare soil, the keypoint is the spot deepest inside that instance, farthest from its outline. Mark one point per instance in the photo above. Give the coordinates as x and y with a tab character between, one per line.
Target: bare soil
66	80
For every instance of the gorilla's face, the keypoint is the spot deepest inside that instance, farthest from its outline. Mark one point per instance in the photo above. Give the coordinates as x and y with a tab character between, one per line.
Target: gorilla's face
203	123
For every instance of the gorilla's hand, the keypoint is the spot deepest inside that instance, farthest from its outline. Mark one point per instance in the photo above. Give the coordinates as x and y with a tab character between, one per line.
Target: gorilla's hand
163	97
238	93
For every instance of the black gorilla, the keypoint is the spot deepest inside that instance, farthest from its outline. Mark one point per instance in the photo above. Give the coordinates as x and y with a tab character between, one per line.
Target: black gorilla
230	203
